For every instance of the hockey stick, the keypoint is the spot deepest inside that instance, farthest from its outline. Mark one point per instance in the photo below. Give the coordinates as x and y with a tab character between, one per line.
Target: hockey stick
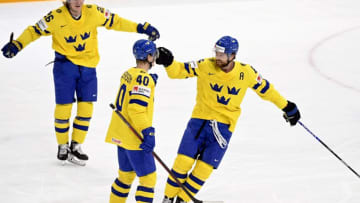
160	161
318	139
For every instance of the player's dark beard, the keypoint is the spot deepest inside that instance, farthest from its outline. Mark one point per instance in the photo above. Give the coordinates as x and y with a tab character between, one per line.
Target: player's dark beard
221	64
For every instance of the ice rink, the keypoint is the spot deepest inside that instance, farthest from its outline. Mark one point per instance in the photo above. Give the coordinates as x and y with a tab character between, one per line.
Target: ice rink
308	49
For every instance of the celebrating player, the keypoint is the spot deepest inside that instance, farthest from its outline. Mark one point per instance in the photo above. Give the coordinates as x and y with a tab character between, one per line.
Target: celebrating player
74	38
135	101
221	87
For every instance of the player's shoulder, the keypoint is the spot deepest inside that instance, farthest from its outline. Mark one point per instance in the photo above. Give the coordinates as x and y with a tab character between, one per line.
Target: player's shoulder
97	10
247	67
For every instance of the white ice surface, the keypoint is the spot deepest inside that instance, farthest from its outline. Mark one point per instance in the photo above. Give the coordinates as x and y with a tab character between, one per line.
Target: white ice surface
308	49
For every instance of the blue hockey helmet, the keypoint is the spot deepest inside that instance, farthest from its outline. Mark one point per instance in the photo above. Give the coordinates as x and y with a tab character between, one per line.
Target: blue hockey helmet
227	44
142	48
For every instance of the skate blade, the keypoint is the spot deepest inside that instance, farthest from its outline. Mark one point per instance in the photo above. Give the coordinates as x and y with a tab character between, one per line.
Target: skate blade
74	160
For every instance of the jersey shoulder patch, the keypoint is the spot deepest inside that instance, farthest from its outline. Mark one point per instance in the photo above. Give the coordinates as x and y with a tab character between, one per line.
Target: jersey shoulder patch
42	24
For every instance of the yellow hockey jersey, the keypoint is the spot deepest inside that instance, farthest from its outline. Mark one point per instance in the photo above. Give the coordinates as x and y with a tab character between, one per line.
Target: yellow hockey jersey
135	101
76	39
220	94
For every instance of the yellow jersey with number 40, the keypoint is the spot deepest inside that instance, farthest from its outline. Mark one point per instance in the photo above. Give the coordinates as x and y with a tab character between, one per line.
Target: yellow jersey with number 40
220	94
76	39
135	101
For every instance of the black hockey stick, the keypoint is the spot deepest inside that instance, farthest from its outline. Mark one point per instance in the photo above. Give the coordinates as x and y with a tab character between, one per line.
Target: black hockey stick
318	139
160	161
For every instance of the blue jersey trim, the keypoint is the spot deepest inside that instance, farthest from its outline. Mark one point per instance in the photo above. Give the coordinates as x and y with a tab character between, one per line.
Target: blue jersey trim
140	102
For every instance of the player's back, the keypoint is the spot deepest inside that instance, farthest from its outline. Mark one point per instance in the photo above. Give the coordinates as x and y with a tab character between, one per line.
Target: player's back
135	101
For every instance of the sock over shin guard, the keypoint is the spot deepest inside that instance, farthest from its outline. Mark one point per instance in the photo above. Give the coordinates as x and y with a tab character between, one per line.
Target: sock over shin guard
82	121
145	191
196	179
62	115
121	187
182	165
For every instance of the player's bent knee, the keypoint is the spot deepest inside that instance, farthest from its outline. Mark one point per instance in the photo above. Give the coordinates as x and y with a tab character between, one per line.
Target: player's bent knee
127	177
183	163
85	109
63	111
202	170
148	180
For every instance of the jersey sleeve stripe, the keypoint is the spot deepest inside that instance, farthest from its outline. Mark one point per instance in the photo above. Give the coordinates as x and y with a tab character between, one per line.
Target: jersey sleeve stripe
37	30
138	94
138	101
193	69
256	86
112	20
105	22
187	67
267	85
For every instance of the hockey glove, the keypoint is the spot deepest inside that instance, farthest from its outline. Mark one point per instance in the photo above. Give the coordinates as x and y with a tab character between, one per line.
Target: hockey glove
149	30
165	57
149	139
154	77
291	113
11	49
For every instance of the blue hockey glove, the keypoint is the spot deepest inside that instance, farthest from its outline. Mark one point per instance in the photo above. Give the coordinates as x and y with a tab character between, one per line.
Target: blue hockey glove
291	113
10	49
165	57
154	77
149	139
149	30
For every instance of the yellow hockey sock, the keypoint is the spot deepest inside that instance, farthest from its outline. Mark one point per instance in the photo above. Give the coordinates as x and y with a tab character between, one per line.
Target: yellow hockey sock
82	121
121	187
145	191
196	179
181	167
62	115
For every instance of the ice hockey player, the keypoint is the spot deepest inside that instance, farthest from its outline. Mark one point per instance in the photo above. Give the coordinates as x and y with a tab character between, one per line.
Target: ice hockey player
221	86
135	101
73	28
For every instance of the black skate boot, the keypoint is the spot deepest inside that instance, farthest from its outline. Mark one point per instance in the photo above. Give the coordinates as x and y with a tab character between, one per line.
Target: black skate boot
168	200
63	152
75	149
179	200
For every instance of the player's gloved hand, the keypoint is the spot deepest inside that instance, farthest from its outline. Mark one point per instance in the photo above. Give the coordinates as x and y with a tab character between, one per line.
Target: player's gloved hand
149	139
165	57
11	49
291	113
154	77
149	30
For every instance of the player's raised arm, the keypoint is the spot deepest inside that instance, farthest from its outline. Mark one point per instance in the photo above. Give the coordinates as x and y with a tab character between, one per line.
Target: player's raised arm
175	69
115	22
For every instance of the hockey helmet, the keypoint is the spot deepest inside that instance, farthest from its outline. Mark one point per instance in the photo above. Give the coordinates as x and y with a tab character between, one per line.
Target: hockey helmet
142	48
227	44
